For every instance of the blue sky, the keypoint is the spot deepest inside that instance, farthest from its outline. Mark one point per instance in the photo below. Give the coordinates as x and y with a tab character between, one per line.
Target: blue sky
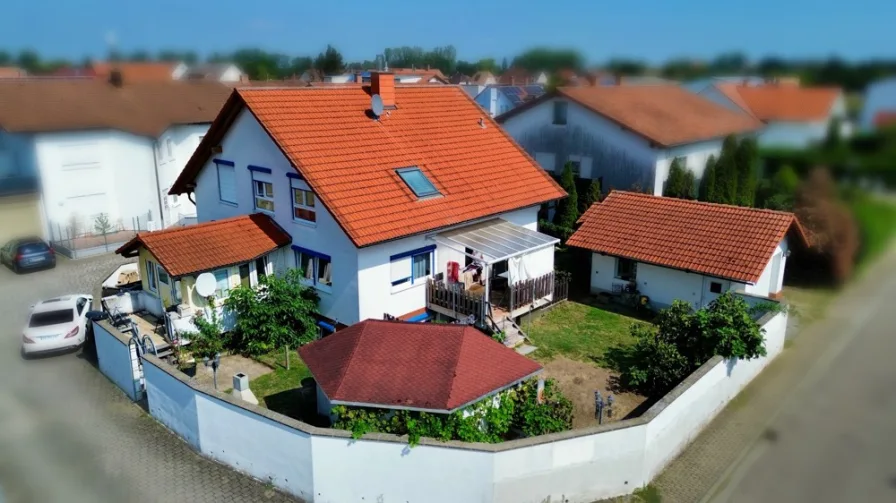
653	30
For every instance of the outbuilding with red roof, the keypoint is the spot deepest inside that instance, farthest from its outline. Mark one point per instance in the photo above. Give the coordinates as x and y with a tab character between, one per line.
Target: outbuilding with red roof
437	368
671	249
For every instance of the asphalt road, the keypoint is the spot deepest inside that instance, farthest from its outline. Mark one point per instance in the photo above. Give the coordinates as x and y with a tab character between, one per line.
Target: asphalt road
833	439
67	434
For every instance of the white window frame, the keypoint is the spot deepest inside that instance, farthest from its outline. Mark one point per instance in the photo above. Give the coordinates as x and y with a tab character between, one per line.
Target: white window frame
317	269
298	185
585	166
257	196
152	281
232	170
169	145
619	261
224	293
253	268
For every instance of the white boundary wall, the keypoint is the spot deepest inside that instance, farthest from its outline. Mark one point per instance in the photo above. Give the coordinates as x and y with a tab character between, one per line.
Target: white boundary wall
117	359
324	465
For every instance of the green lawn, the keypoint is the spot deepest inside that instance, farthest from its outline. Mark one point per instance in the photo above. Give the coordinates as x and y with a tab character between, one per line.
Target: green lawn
579	331
876	218
281	390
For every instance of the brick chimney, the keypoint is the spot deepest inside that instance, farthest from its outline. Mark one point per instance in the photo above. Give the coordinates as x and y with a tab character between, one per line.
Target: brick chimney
115	77
383	83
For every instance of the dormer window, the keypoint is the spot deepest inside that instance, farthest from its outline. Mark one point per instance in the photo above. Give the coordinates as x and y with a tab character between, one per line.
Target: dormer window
417	182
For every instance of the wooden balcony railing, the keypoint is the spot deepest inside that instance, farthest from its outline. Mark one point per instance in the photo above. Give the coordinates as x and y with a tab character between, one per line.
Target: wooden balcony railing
453	297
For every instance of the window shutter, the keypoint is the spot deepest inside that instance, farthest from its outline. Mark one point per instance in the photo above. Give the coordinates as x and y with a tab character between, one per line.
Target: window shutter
401	269
227	183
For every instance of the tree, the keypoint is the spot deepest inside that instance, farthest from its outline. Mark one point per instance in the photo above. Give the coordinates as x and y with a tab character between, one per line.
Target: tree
726	173
746	160
592	196
708	182
278	313
778	192
329	61
832	230
683	340
209	340
568	209
833	139
102	226
504	64
549	60
680	183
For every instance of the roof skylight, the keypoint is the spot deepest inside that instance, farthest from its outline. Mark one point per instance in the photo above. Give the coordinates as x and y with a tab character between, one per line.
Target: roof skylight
417	181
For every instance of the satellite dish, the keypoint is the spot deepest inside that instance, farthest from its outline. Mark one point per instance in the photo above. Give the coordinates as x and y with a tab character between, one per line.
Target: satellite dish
376	105
205	284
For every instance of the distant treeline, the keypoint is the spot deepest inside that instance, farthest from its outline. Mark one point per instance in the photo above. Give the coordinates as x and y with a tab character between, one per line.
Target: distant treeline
259	64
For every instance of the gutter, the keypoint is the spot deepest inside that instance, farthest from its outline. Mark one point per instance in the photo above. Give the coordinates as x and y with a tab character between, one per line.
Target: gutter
155	158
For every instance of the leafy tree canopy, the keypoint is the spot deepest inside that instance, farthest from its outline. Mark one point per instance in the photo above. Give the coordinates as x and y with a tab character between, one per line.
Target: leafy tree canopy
549	60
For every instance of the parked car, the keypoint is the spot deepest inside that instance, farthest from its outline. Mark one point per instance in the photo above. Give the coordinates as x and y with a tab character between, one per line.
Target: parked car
57	324
27	254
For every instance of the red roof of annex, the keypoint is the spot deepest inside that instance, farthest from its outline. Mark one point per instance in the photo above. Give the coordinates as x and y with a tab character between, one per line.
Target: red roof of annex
720	240
396	364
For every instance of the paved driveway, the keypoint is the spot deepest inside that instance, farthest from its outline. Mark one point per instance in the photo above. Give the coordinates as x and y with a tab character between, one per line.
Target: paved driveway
68	434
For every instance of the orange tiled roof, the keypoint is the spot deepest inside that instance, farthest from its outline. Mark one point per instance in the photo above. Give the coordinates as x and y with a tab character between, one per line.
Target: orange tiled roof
718	240
211	245
782	102
350	160
12	72
664	114
885	118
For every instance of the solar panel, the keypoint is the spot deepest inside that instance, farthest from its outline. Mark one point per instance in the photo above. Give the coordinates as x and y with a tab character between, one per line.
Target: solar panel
515	100
534	90
512	90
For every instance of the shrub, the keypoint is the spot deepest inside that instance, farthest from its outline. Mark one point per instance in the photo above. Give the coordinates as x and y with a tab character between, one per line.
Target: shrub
680	183
592	195
568	209
209	340
684	339
279	312
533	418
707	190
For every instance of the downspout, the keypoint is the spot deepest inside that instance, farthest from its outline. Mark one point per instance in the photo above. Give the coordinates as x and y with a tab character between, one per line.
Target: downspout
155	159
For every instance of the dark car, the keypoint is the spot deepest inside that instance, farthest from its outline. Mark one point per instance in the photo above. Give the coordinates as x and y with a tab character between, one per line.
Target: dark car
27	254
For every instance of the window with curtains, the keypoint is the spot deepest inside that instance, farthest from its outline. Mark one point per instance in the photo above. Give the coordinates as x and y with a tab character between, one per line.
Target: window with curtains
151	276
317	268
411	267
303	209
264	195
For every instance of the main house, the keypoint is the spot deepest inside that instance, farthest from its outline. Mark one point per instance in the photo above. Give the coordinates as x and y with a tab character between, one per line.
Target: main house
795	116
101	147
626	136
671	249
401	201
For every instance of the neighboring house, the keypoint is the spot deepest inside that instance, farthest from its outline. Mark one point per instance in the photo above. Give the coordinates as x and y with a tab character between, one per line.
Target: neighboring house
383	211
425	367
672	249
484	78
103	148
236	251
221	72
458	78
522	77
418	76
698	85
795	116
132	72
627	136
498	100
879	109
12	72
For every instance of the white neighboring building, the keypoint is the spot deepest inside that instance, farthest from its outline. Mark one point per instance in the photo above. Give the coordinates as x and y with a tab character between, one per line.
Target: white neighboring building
879	109
626	136
94	146
672	249
379	214
795	116
221	72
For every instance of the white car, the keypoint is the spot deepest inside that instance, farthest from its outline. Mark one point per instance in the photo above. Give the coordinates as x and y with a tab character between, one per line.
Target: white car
57	324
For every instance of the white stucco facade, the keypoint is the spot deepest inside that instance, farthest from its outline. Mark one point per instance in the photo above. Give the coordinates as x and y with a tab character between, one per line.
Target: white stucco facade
604	149
361	277
86	173
174	148
663	285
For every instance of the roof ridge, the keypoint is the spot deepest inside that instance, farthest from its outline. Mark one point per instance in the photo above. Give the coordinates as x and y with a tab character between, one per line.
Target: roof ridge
456	363
704	203
351	357
174	230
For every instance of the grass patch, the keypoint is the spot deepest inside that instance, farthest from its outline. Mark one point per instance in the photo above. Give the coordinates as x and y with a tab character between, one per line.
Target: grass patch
876	218
281	390
580	331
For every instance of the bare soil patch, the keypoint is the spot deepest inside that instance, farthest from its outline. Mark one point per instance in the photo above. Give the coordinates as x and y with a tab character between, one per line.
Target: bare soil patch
579	380
230	365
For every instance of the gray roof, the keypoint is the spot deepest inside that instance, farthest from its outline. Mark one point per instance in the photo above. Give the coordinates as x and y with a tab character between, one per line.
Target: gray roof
497	239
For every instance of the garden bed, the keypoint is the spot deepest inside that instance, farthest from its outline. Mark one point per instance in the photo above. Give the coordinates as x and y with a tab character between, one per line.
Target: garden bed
577	342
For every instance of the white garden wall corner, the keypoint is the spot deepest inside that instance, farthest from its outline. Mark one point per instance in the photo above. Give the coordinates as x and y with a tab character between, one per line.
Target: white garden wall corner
326	465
